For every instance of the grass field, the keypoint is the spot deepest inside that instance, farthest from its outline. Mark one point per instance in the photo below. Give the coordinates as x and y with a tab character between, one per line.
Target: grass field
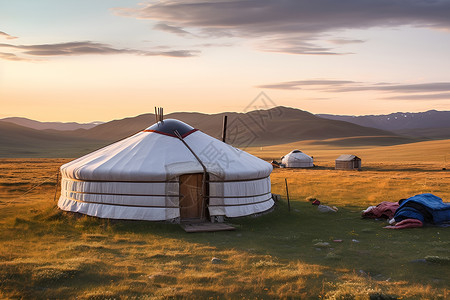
430	154
46	253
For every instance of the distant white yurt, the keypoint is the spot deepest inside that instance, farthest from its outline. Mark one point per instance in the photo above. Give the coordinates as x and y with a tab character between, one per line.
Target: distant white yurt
170	171
297	159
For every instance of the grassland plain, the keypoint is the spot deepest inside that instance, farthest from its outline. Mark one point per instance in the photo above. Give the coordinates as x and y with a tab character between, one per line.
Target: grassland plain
46	253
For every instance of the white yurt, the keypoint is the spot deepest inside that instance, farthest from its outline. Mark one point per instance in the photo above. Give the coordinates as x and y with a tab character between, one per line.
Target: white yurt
297	159
169	171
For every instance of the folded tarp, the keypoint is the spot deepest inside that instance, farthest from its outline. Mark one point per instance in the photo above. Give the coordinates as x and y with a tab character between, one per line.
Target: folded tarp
427	208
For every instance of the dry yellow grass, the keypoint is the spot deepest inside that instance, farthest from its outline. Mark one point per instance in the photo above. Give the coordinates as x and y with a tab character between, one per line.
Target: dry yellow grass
389	173
26	184
45	253
360	189
430	154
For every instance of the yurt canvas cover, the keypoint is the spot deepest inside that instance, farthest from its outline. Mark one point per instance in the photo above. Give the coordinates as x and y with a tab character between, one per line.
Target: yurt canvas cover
154	175
297	159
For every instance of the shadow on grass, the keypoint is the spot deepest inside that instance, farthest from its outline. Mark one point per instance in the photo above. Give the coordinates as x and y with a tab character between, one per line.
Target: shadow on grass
408	169
339	240
28	279
341	243
375	168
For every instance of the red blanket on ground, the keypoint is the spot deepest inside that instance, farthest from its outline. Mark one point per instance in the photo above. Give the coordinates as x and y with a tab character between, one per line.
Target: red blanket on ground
383	210
407	223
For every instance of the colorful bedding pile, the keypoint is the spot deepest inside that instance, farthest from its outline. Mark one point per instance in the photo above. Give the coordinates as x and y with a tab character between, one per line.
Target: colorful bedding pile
412	212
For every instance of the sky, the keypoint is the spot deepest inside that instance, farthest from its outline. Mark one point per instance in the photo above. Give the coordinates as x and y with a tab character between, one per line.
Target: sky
98	60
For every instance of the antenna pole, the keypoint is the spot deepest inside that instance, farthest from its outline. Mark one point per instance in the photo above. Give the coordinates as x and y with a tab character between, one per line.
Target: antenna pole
287	194
224	129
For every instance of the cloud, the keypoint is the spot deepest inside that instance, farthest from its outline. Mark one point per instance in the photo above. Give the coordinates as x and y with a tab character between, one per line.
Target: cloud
418	91
12	57
340	86
296	25
345	41
294	46
441	96
171	29
403	88
7	36
208	45
88	47
172	53
296	85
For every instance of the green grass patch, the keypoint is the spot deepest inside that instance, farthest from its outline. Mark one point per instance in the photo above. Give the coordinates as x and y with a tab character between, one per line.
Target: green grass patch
302	254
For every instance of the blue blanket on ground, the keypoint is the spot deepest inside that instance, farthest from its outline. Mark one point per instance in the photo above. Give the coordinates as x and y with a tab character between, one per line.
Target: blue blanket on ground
427	208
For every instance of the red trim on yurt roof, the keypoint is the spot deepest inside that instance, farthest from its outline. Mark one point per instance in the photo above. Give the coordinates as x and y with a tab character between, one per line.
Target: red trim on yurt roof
169	134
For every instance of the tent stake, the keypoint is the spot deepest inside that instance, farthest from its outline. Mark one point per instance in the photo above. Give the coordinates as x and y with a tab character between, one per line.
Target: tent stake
287	194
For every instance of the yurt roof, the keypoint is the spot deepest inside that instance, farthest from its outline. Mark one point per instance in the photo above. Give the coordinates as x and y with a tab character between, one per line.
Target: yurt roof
156	154
297	155
347	157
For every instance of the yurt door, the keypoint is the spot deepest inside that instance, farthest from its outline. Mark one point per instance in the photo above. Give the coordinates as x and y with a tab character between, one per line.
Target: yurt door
191	200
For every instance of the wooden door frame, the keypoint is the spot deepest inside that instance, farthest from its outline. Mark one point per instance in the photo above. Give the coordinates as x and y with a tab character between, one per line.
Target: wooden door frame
201	201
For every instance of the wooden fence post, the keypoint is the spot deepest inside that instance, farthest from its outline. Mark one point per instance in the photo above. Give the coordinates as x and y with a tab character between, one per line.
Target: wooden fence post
287	194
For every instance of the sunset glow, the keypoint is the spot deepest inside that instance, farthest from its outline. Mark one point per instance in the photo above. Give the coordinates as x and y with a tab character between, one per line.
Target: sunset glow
101	60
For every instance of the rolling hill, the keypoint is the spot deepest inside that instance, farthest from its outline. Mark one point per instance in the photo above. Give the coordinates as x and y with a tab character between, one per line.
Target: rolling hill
439	133
278	125
49	125
257	128
20	141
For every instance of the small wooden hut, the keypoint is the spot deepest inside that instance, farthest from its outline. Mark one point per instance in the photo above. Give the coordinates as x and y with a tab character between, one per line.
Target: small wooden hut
348	162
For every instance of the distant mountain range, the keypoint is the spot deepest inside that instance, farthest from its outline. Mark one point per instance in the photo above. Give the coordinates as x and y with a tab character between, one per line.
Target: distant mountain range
255	128
398	121
49	125
274	126
430	124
